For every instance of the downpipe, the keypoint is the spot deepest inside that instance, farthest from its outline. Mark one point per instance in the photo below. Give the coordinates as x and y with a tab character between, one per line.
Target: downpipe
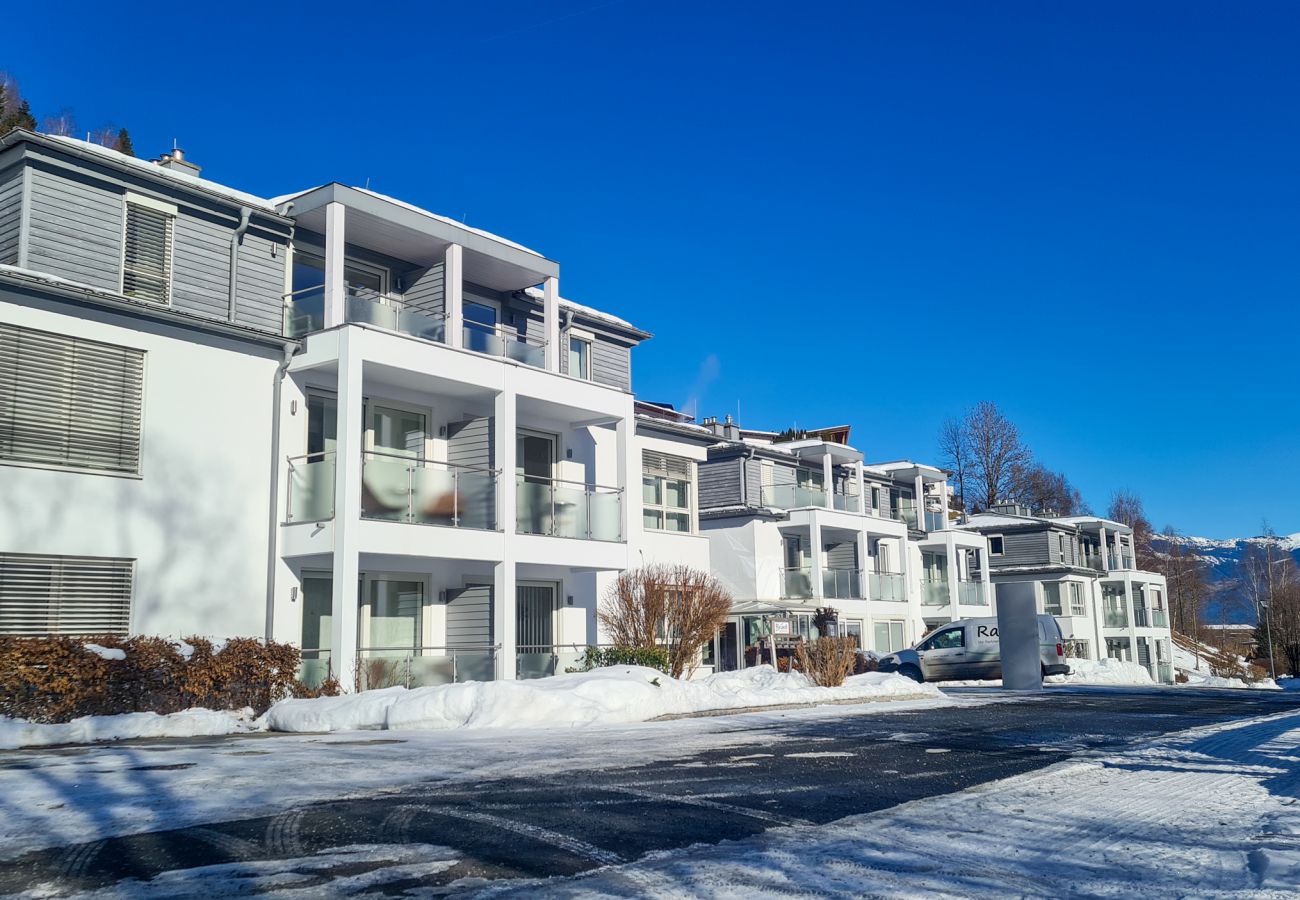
236	238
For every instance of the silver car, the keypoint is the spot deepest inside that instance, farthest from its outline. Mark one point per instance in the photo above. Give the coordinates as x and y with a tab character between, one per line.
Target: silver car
968	649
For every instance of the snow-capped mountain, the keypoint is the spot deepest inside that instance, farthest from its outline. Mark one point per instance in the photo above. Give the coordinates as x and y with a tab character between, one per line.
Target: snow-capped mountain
1222	557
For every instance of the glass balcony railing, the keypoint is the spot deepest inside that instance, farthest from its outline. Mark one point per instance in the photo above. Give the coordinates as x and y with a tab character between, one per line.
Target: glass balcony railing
841	584
886	586
1116	618
1165	673
400	488
796	583
545	660
905	512
411	667
1140	617
935	593
311	487
314	667
792	496
846	502
304	312
1119	561
500	340
1160	618
971	593
571	509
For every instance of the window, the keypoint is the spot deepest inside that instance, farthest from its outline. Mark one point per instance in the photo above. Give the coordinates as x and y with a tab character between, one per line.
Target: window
1052	598
1060	547
875	498
888	636
665	492
147	250
951	639
995	545
852	628
67	595
69	402
579	357
1076	599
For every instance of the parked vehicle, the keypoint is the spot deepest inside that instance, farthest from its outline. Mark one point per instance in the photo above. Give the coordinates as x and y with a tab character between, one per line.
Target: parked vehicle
968	649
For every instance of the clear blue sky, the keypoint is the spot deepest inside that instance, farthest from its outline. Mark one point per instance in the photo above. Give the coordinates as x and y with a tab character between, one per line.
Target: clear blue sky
873	213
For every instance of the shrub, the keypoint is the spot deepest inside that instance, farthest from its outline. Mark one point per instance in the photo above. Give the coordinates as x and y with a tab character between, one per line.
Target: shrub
828	660
57	679
596	657
673	606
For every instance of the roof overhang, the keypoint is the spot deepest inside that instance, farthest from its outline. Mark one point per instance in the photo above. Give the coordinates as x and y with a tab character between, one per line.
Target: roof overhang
816	450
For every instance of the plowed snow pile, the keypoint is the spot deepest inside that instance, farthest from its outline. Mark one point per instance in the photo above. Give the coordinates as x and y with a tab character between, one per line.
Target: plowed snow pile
604	696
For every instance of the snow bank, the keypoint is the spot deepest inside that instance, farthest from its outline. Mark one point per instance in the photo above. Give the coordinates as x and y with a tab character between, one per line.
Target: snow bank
1198	679
15	733
616	694
1104	671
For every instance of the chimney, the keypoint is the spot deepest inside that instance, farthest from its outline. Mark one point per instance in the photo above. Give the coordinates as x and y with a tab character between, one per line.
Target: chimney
730	430
175	161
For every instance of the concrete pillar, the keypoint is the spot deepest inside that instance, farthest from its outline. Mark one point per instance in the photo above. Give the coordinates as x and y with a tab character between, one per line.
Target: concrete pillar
551	320
1105	560
335	282
1097	607
943	502
827	472
347	513
623	475
505	437
954	572
864	575
1132	620
986	575
504	598
863	499
815	556
919	502
453	280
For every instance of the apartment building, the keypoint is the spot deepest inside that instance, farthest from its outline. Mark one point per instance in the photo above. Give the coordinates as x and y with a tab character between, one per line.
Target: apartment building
1084	572
798	521
330	418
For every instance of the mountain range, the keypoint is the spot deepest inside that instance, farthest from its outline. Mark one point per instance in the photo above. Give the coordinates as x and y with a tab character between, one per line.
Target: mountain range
1222	559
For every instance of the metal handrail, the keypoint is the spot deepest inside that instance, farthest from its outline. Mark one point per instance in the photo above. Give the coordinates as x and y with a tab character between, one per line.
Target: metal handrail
307	459
425	460
417	652
588	485
506	331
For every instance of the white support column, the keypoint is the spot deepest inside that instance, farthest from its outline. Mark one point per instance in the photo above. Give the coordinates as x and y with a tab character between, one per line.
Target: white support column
551	322
1105	560
864	572
347	514
1098	607
335	283
453	281
1132	621
986	575
954	572
827	474
505	438
943	502
815	556
919	502
862	488
624	476
504	598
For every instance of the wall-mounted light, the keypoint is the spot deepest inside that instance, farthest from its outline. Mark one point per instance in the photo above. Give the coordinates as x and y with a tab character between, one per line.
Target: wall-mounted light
293	594
568	453
442	431
569	599
293	407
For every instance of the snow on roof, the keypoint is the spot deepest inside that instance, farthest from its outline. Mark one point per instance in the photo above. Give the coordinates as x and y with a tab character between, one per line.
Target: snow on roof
991	520
432	215
145	166
585	310
1088	520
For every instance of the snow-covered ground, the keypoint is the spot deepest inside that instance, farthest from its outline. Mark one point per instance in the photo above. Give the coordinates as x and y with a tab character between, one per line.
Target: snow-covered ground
1192	659
1213	812
1082	671
613	695
16	733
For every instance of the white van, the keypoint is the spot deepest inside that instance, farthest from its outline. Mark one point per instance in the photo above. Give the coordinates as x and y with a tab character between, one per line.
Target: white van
969	649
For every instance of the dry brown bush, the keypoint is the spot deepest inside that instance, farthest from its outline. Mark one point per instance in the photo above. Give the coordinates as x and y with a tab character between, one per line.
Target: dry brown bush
56	679
828	660
666	605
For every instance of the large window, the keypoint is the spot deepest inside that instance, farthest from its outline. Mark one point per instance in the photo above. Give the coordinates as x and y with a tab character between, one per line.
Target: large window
1052	598
67	595
579	356
1076	599
69	402
888	636
147	250
665	492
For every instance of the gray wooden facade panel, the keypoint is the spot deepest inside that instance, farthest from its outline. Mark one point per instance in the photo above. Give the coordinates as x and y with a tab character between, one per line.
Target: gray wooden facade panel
470	442
425	290
200	267
1024	548
719	483
260	284
76	230
469	616
11	213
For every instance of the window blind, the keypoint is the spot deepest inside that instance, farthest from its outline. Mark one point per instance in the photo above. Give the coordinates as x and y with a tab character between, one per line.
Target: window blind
64	595
653	463
147	254
68	401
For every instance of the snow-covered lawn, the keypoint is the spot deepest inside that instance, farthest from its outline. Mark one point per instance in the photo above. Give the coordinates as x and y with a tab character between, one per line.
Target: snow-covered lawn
1213	812
15	733
614	695
1121	672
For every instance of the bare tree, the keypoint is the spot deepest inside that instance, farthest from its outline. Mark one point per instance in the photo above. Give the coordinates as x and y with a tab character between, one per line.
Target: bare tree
996	452
954	452
1126	508
62	125
1188	588
1045	491
669	605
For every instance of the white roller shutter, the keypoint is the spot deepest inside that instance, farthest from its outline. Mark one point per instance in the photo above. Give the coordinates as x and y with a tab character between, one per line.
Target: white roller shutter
64	595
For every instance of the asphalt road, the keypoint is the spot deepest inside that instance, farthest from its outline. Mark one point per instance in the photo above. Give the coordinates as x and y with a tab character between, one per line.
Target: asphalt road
570	821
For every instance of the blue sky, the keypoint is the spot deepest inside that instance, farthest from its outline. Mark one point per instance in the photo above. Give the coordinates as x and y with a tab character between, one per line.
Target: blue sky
873	213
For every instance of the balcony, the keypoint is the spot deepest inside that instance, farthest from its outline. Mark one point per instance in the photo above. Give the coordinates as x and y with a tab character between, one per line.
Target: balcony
935	520
311	488
934	592
971	593
397	488
905	512
1116	618
506	342
571	509
1117	561
887	586
796	583
846	502
841	584
410	667
1160	618
792	496
1140	617
304	313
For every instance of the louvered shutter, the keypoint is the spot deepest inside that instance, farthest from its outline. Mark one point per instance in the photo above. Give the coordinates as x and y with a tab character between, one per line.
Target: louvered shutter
68	401
661	464
65	595
147	254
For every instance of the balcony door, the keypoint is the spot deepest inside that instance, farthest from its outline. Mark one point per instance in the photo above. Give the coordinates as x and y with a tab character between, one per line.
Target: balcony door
535	455
396	441
481	320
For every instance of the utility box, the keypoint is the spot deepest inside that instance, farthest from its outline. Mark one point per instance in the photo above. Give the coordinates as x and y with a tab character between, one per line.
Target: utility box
1022	667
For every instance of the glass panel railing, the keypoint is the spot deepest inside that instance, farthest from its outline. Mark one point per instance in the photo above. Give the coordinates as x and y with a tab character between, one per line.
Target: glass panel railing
500	340
1116	618
411	667
571	509
796	583
1165	673
971	593
935	520
399	488
935	593
846	502
886	586
543	660
1119	560
792	496
314	667
1140	618
304	311
905	512
1159	618
311	488
841	584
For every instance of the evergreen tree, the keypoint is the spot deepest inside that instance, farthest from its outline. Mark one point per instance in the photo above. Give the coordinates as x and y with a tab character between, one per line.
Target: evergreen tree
20	118
123	143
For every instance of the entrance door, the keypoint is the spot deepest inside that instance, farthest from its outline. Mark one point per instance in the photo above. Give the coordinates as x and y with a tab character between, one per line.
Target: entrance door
729	647
317	628
535	629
